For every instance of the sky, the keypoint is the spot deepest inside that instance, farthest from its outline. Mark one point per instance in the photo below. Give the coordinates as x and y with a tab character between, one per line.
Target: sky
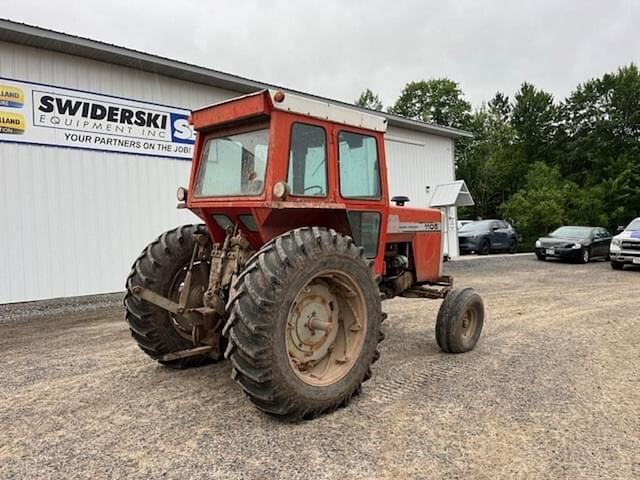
338	48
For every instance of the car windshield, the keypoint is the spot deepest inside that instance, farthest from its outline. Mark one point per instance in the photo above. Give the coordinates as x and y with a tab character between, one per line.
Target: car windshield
233	165
475	227
633	226
571	232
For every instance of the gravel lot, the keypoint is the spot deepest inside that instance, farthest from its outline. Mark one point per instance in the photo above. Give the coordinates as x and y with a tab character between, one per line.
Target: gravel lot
552	391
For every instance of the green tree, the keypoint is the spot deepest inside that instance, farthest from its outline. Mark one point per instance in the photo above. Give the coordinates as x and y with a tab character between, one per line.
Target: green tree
500	107
599	142
540	206
600	123
486	161
370	100
534	119
438	101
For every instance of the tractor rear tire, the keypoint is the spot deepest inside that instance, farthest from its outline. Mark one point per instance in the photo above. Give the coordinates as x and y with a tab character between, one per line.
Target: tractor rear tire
460	320
286	368
158	268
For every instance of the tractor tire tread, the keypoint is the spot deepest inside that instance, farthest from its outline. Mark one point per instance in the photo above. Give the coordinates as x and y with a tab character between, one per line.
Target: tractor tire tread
149	325
257	292
446	334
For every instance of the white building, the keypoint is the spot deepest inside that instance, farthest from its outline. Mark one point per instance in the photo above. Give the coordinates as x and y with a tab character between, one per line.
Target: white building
76	208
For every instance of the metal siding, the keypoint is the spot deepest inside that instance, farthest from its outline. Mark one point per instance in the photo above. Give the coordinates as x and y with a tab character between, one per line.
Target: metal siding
51	68
416	160
73	221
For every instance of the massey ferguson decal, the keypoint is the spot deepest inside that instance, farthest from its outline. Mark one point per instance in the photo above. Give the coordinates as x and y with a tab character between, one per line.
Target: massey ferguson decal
62	117
396	226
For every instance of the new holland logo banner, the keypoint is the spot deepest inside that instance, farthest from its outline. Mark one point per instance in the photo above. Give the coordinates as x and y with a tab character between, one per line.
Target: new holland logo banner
45	115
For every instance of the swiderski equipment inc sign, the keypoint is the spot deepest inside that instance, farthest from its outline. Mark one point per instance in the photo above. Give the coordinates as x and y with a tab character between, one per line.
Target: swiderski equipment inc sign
46	115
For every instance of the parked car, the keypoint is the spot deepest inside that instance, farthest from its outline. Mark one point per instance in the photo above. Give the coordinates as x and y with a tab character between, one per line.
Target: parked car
574	243
462	223
486	236
625	247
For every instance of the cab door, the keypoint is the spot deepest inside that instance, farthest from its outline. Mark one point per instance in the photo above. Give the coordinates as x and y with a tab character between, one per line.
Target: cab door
360	168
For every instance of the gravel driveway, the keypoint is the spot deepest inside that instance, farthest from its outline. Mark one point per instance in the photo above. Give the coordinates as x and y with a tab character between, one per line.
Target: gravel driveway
552	391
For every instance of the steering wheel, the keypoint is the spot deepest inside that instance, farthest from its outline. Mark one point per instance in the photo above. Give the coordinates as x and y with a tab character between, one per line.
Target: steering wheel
319	187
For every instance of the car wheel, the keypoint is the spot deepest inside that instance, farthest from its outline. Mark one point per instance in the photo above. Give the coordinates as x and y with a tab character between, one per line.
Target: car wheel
541	256
617	265
586	255
485	247
513	246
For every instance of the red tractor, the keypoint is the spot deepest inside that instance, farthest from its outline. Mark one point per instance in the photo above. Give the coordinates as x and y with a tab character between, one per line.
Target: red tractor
298	248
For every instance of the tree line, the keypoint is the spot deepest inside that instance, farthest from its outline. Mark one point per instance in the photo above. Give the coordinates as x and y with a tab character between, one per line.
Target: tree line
537	162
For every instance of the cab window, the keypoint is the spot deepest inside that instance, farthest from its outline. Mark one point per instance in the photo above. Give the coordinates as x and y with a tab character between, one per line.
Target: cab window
359	166
365	230
233	165
308	161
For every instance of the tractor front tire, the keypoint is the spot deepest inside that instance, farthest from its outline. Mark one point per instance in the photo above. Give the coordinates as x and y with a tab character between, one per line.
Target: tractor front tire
304	324
160	267
460	320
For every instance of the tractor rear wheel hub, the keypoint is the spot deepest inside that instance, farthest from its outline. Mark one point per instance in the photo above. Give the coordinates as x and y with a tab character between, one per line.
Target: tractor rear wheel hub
313	324
326	329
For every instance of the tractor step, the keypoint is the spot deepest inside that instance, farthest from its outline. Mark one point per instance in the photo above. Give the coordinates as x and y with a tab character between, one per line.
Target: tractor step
191	352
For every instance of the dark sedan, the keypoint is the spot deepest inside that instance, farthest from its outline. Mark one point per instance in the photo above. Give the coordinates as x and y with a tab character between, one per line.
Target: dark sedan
574	243
486	236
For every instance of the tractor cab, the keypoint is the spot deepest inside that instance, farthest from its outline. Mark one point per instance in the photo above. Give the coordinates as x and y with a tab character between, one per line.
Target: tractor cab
273	161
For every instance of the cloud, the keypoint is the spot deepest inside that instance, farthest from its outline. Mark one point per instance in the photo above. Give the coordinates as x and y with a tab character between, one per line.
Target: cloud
337	48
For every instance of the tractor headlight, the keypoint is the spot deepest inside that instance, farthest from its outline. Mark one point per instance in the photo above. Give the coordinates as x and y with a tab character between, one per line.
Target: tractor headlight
538	244
577	245
182	194
281	190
